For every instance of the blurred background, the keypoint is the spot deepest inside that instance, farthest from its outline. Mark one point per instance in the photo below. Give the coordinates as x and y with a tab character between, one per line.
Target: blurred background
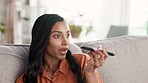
88	19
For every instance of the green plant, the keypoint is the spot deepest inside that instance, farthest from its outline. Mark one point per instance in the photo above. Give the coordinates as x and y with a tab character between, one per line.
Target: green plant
75	30
2	27
26	18
88	29
78	25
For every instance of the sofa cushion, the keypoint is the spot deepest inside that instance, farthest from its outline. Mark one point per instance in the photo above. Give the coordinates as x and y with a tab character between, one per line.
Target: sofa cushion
130	64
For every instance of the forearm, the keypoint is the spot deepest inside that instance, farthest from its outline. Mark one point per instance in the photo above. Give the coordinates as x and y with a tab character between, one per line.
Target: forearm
91	77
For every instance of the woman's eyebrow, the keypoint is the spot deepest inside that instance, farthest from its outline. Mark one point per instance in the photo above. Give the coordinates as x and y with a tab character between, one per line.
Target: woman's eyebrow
60	31
56	31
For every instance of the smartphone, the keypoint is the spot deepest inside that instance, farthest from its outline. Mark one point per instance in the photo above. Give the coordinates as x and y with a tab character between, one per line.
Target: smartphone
91	49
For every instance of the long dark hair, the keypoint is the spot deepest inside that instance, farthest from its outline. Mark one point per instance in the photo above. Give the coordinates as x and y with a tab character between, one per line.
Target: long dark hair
40	36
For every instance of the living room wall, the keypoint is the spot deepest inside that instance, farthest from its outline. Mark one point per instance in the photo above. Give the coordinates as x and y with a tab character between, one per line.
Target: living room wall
101	13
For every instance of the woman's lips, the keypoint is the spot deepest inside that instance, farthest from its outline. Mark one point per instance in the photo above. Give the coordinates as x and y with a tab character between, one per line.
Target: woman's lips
63	51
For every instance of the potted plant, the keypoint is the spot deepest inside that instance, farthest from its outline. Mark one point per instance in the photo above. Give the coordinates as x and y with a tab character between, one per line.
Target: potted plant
77	26
75	30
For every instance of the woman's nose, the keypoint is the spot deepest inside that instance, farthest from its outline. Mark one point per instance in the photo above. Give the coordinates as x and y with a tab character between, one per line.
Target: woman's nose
65	41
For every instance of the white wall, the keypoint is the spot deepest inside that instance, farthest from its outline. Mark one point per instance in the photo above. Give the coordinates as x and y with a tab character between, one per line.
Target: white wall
115	12
2	11
103	13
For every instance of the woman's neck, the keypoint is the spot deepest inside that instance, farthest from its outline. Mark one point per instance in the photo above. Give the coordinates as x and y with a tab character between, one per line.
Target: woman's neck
51	64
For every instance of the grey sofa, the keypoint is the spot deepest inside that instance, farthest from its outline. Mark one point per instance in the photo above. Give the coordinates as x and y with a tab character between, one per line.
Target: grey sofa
130	65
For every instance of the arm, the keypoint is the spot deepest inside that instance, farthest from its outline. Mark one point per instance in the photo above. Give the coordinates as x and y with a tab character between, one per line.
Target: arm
92	77
97	58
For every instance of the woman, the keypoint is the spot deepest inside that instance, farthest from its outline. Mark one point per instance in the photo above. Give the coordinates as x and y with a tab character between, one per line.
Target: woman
50	61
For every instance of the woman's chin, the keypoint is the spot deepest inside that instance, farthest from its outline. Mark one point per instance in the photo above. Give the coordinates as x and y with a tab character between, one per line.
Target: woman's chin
62	56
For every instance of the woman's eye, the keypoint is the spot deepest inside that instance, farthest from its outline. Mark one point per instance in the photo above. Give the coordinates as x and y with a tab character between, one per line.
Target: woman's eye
57	36
68	35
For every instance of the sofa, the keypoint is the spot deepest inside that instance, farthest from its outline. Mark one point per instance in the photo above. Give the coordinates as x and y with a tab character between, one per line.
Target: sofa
129	65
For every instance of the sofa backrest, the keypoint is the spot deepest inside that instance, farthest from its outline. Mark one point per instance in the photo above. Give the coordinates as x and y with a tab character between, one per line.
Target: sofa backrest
14	60
129	65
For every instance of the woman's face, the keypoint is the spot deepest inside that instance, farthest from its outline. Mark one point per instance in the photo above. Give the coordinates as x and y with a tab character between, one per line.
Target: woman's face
59	41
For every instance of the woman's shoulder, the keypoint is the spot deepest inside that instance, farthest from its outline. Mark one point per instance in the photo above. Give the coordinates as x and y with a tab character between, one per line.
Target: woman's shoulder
81	58
20	79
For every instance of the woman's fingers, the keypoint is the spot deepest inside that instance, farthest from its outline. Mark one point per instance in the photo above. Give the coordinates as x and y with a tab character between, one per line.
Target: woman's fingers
91	64
97	57
106	54
101	55
103	51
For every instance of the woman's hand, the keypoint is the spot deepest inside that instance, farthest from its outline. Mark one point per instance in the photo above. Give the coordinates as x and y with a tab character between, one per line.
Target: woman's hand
97	58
